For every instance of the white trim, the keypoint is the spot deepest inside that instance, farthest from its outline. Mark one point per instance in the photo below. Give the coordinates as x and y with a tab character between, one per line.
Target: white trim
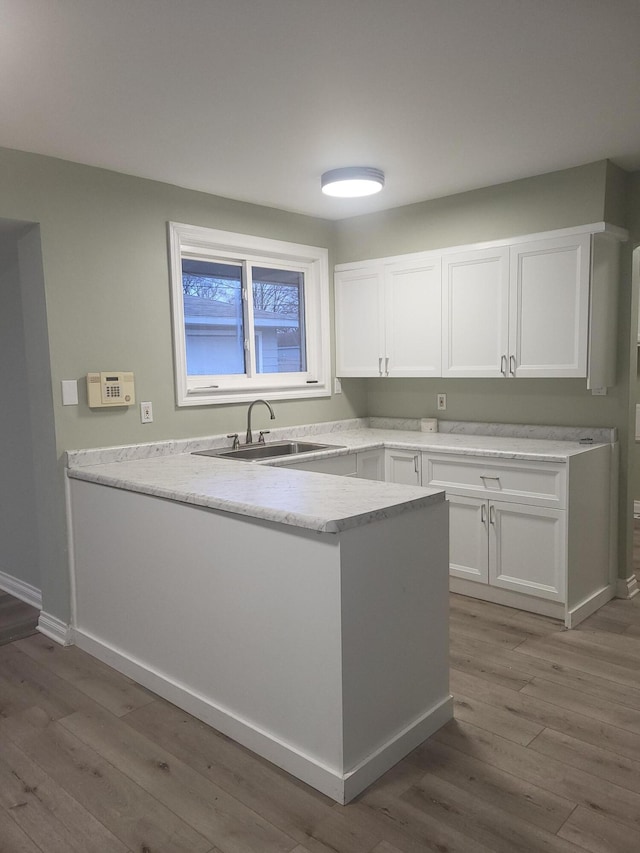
581	611
627	587
22	590
497	595
70	550
395	749
55	629
636	507
594	228
340	787
312	261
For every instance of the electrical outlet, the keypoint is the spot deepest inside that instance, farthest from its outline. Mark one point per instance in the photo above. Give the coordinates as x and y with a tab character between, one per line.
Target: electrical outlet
442	402
146	413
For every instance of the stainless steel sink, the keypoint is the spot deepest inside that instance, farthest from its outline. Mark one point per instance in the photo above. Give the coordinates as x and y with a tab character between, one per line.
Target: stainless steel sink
266	451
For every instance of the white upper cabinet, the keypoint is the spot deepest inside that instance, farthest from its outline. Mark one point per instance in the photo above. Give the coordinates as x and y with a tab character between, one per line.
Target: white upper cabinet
359	296
413	318
549	307
537	306
388	318
475	315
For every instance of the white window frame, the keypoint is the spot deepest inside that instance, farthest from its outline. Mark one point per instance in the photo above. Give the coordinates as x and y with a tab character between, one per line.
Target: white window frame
197	243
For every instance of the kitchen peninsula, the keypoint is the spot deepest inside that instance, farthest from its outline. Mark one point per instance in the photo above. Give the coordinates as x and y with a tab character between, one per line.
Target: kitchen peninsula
304	614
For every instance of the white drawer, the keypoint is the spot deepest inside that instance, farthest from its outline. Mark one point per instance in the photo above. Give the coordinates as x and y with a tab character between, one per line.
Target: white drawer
536	483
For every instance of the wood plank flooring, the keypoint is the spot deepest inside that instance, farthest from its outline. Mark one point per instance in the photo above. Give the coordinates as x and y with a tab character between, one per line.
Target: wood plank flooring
543	755
17	619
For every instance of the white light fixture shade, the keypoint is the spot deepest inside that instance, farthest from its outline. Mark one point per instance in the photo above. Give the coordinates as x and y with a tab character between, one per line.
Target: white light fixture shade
352	181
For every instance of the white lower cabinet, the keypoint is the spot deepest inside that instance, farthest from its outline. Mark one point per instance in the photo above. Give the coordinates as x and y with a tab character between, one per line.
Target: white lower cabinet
468	538
527	549
370	464
402	466
509	545
533	535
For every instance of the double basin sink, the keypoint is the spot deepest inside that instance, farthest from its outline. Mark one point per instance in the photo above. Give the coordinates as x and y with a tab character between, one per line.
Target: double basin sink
266	451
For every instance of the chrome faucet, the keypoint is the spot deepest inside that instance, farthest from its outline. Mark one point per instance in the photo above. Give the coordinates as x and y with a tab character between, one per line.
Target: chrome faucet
249	436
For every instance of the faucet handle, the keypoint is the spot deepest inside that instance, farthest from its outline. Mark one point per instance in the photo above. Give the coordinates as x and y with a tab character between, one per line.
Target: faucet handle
263	432
236	440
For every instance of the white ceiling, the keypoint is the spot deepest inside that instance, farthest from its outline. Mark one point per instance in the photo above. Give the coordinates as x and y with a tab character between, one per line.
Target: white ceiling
254	99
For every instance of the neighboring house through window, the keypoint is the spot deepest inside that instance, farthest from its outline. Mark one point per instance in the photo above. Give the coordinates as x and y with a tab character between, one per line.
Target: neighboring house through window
250	314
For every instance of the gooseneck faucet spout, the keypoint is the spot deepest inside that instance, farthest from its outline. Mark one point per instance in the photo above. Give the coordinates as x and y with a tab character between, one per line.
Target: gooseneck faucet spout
249	436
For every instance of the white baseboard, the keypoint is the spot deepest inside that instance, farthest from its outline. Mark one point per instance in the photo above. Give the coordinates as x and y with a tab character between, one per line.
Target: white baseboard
394	750
508	597
55	629
581	611
627	587
328	780
19	589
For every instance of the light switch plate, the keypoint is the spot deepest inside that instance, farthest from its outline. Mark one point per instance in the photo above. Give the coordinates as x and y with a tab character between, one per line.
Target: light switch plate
69	392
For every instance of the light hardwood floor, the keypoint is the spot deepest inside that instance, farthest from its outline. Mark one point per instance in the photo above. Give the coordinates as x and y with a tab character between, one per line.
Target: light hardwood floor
17	619
543	755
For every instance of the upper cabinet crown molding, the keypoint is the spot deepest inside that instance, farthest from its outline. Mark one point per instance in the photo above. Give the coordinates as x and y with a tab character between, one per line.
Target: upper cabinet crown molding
540	305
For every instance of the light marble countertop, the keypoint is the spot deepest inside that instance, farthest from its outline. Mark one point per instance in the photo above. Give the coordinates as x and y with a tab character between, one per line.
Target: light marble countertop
325	503
322	502
497	446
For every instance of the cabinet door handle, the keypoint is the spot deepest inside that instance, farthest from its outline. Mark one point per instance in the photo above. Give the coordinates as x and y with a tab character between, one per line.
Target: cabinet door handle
380	365
503	365
492	514
386	365
483	514
415	464
512	364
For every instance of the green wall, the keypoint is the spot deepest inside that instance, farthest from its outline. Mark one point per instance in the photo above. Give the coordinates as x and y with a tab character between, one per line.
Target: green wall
634	231
557	200
104	257
104	249
98	252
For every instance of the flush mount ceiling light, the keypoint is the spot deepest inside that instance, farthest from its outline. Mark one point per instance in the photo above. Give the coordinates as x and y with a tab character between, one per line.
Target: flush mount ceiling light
352	181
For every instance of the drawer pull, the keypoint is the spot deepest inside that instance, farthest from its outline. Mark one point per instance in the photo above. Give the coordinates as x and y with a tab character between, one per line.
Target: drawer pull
489	477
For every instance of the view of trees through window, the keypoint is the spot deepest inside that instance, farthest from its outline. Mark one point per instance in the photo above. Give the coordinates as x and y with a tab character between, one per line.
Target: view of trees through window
214	318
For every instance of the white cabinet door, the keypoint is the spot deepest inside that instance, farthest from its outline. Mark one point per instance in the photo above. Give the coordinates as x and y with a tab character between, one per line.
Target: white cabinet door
475	310
468	548
402	466
359	297
527	551
549	307
370	465
413	320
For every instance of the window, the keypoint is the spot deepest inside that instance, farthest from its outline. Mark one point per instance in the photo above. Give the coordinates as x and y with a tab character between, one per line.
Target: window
250	315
